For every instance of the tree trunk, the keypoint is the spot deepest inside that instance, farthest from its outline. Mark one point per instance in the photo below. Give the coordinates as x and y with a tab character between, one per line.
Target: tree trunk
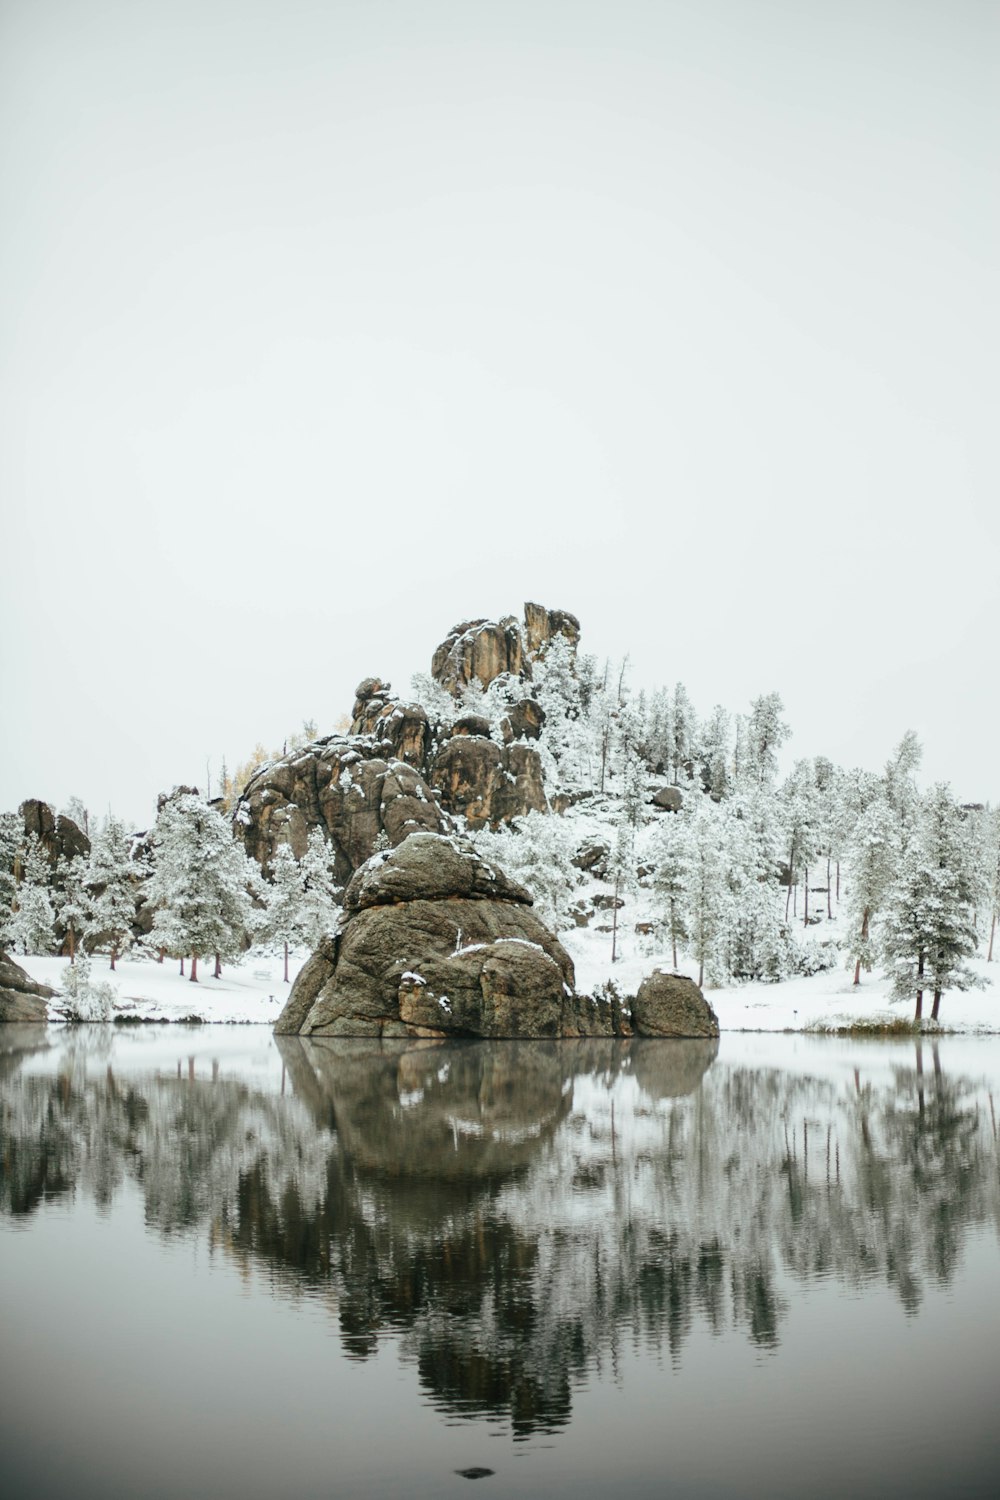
701	972
72	945
113	958
805	898
838	881
936	1006
193	976
918	1013
829	908
614	925
673	944
788	897
864	935
286	962
182	967
161	955
993	928
218	967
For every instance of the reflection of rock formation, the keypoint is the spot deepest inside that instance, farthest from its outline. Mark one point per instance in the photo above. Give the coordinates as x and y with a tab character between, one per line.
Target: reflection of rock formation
510	1214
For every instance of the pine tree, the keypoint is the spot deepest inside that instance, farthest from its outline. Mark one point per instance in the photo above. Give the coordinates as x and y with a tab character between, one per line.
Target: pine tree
672	856
11	840
713	752
33	919
537	850
284	922
685	729
765	733
929	932
202	885
110	884
709	900
801	812
71	875
321	895
873	855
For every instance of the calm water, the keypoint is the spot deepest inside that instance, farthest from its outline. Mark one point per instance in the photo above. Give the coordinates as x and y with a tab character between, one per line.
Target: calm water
237	1266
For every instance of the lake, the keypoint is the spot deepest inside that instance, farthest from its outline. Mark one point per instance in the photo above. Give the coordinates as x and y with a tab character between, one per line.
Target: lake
235	1265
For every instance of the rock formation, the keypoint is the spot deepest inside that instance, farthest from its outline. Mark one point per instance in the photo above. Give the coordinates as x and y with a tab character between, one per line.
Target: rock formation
434	942
484	650
21	999
58	835
672	1005
486	782
352	787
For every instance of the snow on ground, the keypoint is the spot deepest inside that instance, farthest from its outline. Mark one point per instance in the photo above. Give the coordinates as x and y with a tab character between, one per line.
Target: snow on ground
253	991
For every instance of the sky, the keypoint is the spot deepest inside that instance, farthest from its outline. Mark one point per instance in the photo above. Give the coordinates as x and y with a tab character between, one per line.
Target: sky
324	326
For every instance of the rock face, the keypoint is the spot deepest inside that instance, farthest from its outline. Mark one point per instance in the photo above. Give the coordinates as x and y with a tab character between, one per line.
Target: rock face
672	1005
59	835
352	787
21	999
435	942
401	726
487	782
488	649
479	649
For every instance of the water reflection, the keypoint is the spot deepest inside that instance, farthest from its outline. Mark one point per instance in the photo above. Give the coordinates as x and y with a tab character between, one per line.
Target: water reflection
513	1214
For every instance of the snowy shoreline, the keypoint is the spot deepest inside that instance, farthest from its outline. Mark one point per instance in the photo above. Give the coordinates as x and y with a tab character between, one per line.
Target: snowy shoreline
254	992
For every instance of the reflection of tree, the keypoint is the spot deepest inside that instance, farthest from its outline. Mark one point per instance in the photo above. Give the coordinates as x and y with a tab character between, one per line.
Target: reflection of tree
511	1214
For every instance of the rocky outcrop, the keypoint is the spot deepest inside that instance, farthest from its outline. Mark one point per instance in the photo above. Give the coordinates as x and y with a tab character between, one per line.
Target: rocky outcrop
480	650
483	650
485	782
349	786
667	799
541	624
434	942
403	727
672	1005
21	998
59	836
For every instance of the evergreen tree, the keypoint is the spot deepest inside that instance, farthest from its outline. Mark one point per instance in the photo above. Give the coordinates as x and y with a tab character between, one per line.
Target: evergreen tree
672	856
202	885
321	893
873	854
901	785
537	850
110	884
801	812
714	751
685	729
765	733
71	875
709	899
284	922
11	839
929	933
31	924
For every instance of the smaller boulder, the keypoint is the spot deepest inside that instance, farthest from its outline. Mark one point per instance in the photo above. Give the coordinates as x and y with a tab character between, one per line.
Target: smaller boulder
21	998
673	1005
667	799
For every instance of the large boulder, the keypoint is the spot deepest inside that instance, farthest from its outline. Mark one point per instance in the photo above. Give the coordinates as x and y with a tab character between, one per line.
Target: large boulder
349	786
404	727
21	998
672	1005
434	941
485	782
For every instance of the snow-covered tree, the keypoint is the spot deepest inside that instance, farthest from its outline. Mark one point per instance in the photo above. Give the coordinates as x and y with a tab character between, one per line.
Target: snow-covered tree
321	893
671	851
765	731
202	884
31	924
74	906
873	853
901	784
685	729
110	882
284	921
800	809
537	850
77	812
714	752
709	897
11	840
929	933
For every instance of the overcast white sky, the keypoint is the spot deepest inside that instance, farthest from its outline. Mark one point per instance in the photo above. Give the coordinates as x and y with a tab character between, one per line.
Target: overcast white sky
325	325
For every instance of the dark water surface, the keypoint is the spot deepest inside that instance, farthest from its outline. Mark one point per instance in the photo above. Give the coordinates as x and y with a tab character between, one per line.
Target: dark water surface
238	1266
